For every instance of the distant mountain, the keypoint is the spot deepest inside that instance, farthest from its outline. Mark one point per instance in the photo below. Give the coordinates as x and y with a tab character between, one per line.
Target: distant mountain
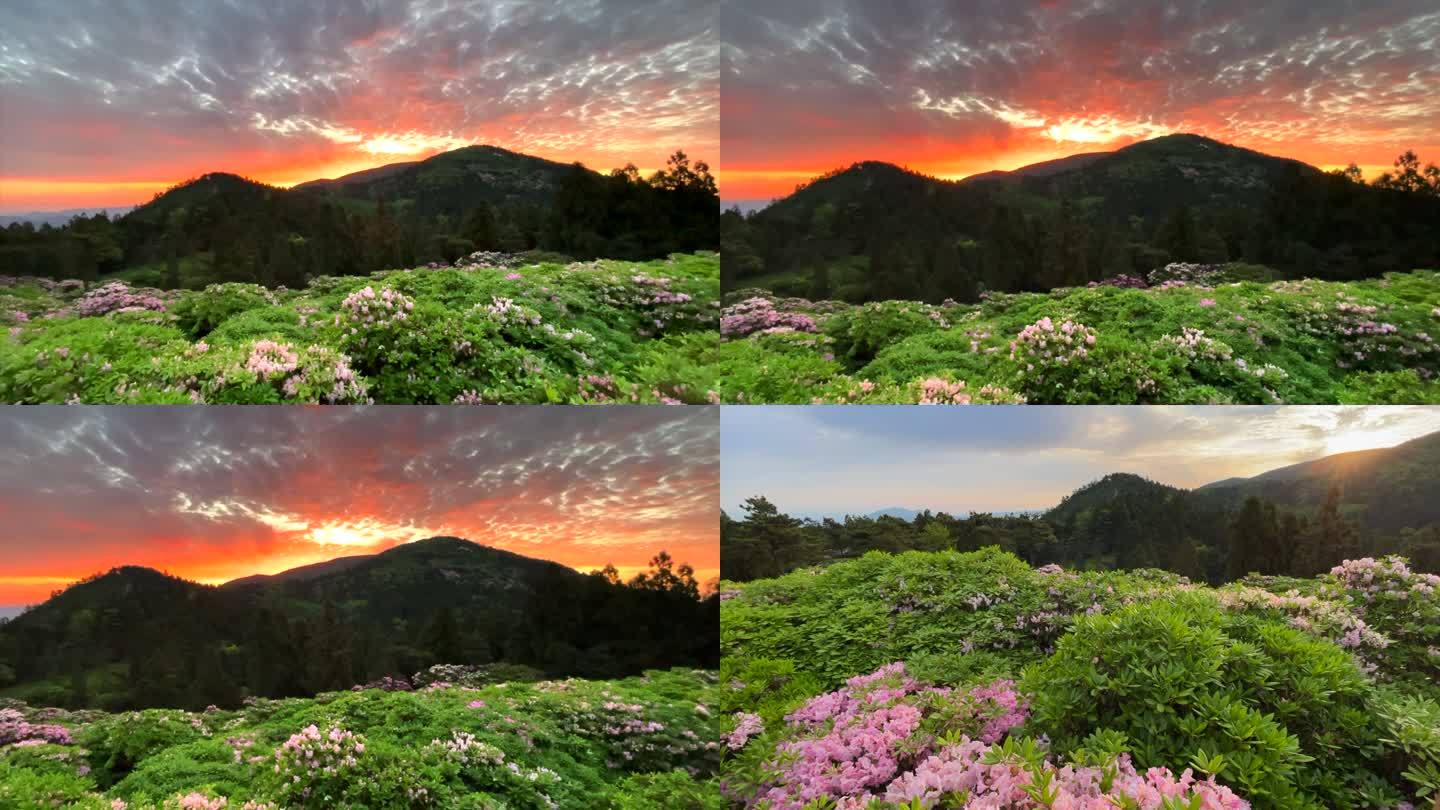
1385	489
136	636
1107	490
1045	168
58	218
11	611
880	231
895	512
453	182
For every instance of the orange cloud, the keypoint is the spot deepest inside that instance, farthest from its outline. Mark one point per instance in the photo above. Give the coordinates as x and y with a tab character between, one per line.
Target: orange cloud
217	494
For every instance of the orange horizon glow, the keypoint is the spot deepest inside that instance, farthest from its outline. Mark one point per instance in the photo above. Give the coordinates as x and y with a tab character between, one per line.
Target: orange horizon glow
767	181
216	494
21	591
307	91
23	195
809	90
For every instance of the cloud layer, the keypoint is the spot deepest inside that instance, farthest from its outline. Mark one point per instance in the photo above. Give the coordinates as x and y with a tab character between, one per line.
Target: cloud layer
217	493
104	102
839	459
955	88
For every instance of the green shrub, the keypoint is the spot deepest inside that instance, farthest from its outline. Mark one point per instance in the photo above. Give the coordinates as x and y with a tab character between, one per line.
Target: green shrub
1286	713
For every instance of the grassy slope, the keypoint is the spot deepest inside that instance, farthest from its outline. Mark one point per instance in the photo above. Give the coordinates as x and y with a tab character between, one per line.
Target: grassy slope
880	352
149	758
617	330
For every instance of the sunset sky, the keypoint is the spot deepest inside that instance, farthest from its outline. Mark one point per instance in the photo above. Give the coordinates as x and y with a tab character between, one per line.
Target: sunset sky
955	88
105	103
213	494
847	459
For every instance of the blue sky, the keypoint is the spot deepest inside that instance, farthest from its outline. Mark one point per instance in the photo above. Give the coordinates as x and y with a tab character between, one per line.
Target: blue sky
839	459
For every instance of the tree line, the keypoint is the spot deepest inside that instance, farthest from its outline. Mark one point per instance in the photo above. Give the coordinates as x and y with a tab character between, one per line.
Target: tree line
1194	534
911	237
172	643
239	230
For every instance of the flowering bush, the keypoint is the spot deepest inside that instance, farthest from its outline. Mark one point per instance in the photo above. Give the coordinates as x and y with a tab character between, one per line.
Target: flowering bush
14	730
1016	775
1192	337
473	332
849	744
1159	685
117	296
758	315
513	745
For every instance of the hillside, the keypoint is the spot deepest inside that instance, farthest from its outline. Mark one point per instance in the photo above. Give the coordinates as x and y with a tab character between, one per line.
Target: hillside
634	744
974	675
220	227
136	637
1197	334
454	182
875	231
1384	490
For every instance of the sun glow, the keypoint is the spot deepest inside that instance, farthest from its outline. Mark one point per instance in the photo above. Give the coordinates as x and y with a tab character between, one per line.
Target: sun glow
1365	439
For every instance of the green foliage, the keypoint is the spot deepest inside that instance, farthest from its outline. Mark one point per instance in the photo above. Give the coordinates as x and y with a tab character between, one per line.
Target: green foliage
1243	343
676	789
1412	729
541	333
1183	681
534	746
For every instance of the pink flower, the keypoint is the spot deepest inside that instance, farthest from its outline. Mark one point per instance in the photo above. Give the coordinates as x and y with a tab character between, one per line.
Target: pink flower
1207	302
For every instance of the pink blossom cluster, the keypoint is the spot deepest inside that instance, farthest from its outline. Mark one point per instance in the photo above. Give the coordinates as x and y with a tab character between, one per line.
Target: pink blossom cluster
758	315
1192	344
1388	576
386	683
989	780
117	296
1122	280
15	730
1184	274
464	749
746	726
366	309
312	755
1326	618
1046	343
506	311
848	745
939	391
271	359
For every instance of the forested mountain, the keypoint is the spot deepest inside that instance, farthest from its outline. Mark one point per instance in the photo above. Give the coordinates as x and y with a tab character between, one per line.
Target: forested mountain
222	227
876	231
135	637
1297	520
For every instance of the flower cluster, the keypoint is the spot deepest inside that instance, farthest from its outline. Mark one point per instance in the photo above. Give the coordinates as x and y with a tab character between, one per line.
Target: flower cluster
117	296
506	312
463	749
271	359
1122	280
1186	274
385	684
366	309
939	391
849	745
746	726
311	757
15	730
759	316
993	777
1044	347
1192	344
